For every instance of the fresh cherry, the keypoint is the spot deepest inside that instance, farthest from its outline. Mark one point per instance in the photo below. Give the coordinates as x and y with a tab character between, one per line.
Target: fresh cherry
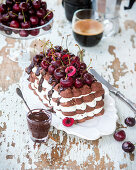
23	6
16	7
68	121
51	69
34	32
56	63
128	147
23	33
42	22
58	48
50	51
120	135
76	64
31	11
66	81
25	24
2	8
20	17
78	83
44	5
9	3
36	4
34	20
59	73
82	66
130	121
45	65
58	55
13	15
14	24
49	15
5	17
88	78
40	13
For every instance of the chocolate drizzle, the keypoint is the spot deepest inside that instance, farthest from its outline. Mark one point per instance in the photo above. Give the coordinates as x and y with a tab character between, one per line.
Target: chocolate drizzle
60	90
52	79
29	69
40	84
37	73
50	93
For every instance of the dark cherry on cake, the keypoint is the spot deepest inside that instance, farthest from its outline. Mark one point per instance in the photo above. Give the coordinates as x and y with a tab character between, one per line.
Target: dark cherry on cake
63	68
24	15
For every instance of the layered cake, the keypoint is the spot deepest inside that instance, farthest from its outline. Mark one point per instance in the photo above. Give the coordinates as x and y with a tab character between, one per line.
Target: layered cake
62	82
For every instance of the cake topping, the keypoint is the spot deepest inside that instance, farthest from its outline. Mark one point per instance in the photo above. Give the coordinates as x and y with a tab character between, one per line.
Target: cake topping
71	70
68	121
66	82
66	68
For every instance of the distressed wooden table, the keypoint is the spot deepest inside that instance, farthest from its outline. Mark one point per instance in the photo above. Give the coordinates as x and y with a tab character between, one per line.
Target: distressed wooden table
114	58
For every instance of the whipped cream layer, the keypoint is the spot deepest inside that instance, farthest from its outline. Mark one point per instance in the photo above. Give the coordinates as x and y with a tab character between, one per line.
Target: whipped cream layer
80	116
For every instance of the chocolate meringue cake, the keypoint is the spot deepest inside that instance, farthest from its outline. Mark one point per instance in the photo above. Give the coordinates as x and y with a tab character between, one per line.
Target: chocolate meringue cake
62	82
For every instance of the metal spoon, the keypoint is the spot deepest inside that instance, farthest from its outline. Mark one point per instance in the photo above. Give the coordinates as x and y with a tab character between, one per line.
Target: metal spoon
19	92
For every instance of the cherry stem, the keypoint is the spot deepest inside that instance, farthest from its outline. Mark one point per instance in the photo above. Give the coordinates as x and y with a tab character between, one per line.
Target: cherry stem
89	65
53	56
14	13
44	45
69	59
79	51
23	15
47	14
47	62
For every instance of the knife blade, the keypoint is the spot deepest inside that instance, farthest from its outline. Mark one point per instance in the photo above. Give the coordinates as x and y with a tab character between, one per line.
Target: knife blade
113	90
103	81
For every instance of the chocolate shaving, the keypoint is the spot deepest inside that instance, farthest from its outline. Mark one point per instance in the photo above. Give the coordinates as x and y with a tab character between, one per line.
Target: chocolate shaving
40	84
29	69
38	71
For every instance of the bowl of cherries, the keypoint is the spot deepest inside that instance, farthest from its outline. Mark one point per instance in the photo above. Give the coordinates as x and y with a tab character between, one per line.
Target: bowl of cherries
25	19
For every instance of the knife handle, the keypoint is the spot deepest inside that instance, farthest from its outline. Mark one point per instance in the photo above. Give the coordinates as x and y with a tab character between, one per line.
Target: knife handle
127	101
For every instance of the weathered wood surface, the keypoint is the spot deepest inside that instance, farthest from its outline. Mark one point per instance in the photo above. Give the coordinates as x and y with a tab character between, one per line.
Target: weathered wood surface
115	58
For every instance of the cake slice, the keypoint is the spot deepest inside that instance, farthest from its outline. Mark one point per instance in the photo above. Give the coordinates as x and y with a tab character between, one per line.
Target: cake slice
62	82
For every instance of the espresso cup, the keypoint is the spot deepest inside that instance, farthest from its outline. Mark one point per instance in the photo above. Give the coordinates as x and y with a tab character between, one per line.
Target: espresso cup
87	30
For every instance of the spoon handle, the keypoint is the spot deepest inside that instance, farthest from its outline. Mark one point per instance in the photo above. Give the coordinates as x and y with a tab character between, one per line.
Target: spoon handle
18	91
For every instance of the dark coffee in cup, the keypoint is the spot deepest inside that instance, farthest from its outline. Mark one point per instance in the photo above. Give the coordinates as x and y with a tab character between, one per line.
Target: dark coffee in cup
88	32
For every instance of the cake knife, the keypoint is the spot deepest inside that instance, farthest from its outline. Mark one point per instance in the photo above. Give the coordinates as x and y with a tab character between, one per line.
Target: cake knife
113	90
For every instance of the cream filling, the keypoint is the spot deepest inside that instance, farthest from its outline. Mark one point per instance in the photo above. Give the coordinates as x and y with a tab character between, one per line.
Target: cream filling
62	108
80	116
76	107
